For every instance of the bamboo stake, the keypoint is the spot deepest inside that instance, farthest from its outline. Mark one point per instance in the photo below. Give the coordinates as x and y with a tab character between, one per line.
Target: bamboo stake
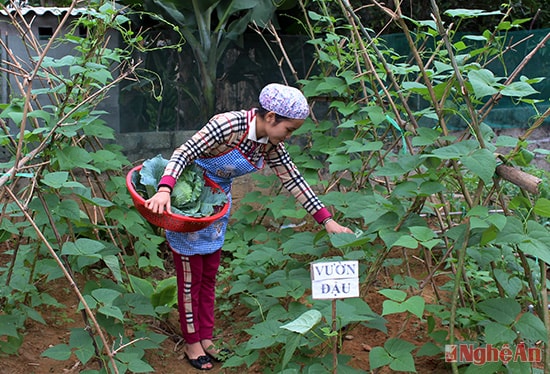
520	178
456	290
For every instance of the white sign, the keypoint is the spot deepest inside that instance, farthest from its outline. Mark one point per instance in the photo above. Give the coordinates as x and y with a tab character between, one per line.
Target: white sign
335	280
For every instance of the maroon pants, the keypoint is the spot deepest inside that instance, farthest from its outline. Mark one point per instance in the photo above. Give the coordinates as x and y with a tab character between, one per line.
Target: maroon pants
196	294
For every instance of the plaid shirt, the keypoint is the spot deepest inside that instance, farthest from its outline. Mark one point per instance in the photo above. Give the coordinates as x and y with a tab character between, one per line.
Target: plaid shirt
227	131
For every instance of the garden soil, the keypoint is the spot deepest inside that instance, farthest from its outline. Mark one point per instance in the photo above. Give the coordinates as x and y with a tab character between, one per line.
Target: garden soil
169	358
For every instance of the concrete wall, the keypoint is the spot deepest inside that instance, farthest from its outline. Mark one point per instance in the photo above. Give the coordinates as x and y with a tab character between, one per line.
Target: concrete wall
141	146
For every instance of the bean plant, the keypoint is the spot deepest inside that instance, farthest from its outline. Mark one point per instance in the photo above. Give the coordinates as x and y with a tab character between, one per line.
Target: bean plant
64	204
394	166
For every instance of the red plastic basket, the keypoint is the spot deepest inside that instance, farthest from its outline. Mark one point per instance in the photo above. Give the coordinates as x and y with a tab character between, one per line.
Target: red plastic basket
170	221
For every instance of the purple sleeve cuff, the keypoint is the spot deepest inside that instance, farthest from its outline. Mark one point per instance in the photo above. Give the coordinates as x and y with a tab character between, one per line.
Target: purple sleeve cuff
322	215
168	181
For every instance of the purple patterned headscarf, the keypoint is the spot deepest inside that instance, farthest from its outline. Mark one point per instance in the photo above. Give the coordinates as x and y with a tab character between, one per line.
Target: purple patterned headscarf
284	100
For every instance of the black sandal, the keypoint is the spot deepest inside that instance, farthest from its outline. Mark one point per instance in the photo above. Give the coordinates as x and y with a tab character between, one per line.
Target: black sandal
199	362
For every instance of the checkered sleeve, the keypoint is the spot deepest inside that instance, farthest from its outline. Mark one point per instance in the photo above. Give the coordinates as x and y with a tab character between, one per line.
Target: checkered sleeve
206	142
280	162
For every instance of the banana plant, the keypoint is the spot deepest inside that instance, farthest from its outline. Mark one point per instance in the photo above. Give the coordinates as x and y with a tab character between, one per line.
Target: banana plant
209	26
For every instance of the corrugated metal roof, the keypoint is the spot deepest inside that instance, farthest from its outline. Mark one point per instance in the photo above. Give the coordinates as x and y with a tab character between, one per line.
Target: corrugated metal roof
40	10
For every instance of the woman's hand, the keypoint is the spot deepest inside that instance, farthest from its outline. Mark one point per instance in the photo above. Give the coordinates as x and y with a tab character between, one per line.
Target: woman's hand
334	227
159	202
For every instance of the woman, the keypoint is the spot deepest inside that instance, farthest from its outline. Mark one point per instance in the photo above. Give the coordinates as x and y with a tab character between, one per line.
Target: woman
231	144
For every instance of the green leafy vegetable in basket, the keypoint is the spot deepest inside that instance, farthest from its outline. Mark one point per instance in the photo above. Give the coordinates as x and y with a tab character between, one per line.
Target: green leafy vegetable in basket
189	197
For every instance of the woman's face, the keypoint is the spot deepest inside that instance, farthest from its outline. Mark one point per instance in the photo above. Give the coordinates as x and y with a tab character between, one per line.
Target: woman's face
280	131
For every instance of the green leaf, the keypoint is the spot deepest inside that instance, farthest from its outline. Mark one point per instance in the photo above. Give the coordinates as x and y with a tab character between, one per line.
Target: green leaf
142	286
70	157
397	347
542	207
97	201
345	109
391	169
140	366
42	114
523	157
415	87
469	13
531	327
392	307
389	236
429	244
428	188
305	322
342	162
107	160
263	334
353	146
290	347
502	310
76	69
97	128
415	305
82	344
406	241
112	263
490	367
496	333
399	350
59	62
352	310
429	349
111	311
506	141
511	284
395	295
300	243
105	296
482	163
422	233
60	352
456	150
139	304
343	240
497	220
166	293
331	85
512	233
68	209
376	114
102	76
403	363
11	344
483	82
82	247
405	189
8	325
518	89
33	314
535	241
55	179
426	136
378	357
14	111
